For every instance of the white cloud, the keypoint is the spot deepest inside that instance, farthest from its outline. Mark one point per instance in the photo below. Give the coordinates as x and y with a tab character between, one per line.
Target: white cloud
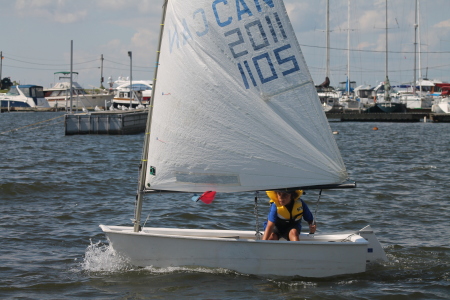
365	45
51	10
443	24
143	6
70	17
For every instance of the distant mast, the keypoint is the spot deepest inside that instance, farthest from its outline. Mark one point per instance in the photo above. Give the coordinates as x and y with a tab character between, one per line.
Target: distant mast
348	51
415	50
387	85
420	47
131	77
101	72
71	72
327	72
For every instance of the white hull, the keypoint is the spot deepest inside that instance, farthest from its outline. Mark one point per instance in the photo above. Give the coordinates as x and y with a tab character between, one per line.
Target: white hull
442	106
326	107
417	102
24	96
314	256
126	102
87	101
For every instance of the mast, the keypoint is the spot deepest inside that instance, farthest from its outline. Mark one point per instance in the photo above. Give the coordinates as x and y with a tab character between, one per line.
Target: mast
130	54
327	72
387	86
348	51
143	165
71	74
101	73
415	49
420	52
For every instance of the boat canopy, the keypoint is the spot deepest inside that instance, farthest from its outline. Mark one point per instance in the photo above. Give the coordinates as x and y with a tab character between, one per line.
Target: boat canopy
65	73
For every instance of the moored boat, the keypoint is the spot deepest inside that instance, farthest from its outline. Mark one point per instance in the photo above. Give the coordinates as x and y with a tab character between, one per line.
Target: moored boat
58	96
24	97
141	93
441	105
386	98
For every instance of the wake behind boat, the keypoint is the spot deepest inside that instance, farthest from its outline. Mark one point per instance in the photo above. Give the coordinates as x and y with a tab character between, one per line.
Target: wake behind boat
234	109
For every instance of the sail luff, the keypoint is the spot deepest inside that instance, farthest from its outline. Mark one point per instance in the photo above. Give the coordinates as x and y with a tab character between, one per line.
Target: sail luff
143	165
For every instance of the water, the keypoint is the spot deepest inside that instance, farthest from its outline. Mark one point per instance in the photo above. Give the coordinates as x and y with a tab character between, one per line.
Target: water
55	190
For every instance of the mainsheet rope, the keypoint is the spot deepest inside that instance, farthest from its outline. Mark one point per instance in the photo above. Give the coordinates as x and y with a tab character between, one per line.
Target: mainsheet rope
257	232
32	125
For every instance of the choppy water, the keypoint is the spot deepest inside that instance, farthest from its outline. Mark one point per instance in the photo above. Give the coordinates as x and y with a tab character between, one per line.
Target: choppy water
55	190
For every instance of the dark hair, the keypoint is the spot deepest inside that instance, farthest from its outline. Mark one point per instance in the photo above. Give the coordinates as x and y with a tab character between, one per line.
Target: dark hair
292	193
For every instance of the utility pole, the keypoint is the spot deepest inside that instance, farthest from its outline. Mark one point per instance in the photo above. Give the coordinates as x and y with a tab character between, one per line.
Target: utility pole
101	73
131	77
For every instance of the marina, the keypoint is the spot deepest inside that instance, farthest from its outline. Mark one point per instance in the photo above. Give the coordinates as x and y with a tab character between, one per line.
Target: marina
228	173
389	117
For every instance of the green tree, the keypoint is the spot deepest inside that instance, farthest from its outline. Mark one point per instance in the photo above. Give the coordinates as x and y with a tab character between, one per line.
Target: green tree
5	83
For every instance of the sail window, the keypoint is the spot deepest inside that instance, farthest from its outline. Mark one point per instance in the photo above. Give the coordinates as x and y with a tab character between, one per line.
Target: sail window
205	178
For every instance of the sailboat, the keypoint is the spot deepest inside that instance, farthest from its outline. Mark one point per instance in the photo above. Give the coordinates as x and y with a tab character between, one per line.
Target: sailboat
329	97
348	99
388	104
418	100
234	109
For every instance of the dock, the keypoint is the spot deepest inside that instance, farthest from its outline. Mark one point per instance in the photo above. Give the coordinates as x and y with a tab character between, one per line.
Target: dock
27	109
106	122
410	116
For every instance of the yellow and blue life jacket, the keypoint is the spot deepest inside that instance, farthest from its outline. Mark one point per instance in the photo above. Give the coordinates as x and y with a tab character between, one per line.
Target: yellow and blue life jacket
283	213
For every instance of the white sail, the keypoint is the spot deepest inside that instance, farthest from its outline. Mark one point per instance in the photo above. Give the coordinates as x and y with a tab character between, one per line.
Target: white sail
235	108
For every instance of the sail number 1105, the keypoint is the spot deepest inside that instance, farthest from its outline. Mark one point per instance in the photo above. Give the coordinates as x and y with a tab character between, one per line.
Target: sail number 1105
263	63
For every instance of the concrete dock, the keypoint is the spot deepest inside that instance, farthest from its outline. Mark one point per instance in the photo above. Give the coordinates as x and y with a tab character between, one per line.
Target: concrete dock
410	116
106	122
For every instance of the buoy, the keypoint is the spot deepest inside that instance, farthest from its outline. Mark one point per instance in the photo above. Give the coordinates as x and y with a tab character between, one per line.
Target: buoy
336	132
375	128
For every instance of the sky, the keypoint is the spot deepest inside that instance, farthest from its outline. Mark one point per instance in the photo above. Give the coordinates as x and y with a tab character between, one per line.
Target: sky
37	34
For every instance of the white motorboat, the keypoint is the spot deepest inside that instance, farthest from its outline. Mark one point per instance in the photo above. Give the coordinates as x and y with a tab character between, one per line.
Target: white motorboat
364	94
416	98
441	105
141	92
23	96
329	97
234	109
58	96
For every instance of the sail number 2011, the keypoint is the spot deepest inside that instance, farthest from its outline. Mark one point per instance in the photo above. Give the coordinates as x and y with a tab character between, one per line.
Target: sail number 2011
264	61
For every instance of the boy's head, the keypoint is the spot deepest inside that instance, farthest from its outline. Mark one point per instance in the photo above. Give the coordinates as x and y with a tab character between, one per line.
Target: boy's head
285	197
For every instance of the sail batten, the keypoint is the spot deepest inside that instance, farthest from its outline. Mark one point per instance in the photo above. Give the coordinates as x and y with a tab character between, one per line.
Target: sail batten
235	107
